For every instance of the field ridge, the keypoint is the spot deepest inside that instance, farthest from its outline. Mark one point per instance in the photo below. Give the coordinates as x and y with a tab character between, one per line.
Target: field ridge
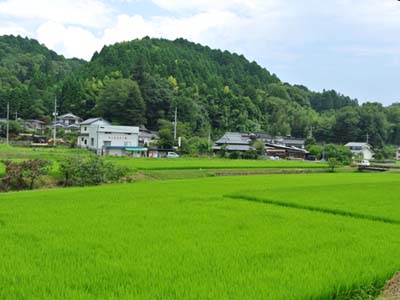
330	211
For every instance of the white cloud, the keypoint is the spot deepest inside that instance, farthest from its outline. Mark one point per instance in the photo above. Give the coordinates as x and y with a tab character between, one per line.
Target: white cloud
243	6
71	41
370	12
129	28
12	28
87	13
76	41
198	28
228	24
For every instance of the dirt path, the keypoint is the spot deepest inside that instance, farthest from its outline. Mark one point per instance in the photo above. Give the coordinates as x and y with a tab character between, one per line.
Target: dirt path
392	289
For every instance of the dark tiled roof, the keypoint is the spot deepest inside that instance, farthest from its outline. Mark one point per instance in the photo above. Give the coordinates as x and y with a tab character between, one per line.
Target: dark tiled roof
91	121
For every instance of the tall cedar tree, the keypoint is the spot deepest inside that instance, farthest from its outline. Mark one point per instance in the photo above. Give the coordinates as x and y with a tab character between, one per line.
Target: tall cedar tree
122	103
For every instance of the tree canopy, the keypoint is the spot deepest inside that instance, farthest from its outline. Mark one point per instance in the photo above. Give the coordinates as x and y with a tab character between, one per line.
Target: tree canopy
142	82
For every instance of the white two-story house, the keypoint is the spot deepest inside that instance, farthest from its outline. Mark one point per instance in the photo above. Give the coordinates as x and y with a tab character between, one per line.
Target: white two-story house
69	122
99	135
84	130
362	150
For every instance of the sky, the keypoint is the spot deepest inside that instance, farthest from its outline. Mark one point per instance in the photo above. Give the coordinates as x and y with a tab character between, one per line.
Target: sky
352	46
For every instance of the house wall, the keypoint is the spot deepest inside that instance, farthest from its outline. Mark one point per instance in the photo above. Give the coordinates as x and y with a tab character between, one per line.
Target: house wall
68	121
115	152
92	138
85	131
367	154
116	139
83	141
96	137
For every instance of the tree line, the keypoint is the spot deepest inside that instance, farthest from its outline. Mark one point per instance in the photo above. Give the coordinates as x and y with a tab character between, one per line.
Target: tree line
141	82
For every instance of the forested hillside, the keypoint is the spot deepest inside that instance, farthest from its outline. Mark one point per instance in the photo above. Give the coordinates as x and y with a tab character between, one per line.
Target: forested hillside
143	81
30	75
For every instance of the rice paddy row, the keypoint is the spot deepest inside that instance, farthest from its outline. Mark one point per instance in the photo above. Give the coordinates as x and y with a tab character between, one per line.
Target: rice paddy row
184	239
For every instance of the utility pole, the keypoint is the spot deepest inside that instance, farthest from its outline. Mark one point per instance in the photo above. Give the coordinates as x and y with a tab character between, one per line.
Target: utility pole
176	120
16	116
8	123
55	122
209	140
367	138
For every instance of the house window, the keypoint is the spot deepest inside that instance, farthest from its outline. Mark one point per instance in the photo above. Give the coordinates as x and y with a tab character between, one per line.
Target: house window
92	141
85	128
85	142
82	139
107	143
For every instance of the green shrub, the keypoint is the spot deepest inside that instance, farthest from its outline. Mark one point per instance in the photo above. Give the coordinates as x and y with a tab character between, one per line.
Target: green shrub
234	155
333	163
251	154
23	175
79	171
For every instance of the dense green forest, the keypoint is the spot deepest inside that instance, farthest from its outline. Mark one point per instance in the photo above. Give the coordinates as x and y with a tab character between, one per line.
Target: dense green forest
141	82
30	76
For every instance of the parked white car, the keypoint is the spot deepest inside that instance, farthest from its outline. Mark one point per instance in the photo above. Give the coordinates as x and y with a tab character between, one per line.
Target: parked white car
274	157
365	163
172	155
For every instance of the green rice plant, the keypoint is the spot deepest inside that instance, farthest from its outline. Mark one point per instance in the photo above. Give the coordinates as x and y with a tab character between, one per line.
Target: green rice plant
13	152
371	200
183	239
211	163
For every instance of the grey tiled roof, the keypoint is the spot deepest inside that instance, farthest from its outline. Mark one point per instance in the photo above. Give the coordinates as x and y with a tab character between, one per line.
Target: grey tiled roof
356	144
235	138
91	121
235	148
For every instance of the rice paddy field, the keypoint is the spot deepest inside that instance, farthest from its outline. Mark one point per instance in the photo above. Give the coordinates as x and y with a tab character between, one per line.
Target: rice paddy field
309	236
162	168
184	163
13	152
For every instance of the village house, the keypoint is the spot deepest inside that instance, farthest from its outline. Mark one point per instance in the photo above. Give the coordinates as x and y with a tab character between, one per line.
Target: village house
361	150
290	141
234	141
282	147
100	136
285	152
68	122
147	137
34	125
